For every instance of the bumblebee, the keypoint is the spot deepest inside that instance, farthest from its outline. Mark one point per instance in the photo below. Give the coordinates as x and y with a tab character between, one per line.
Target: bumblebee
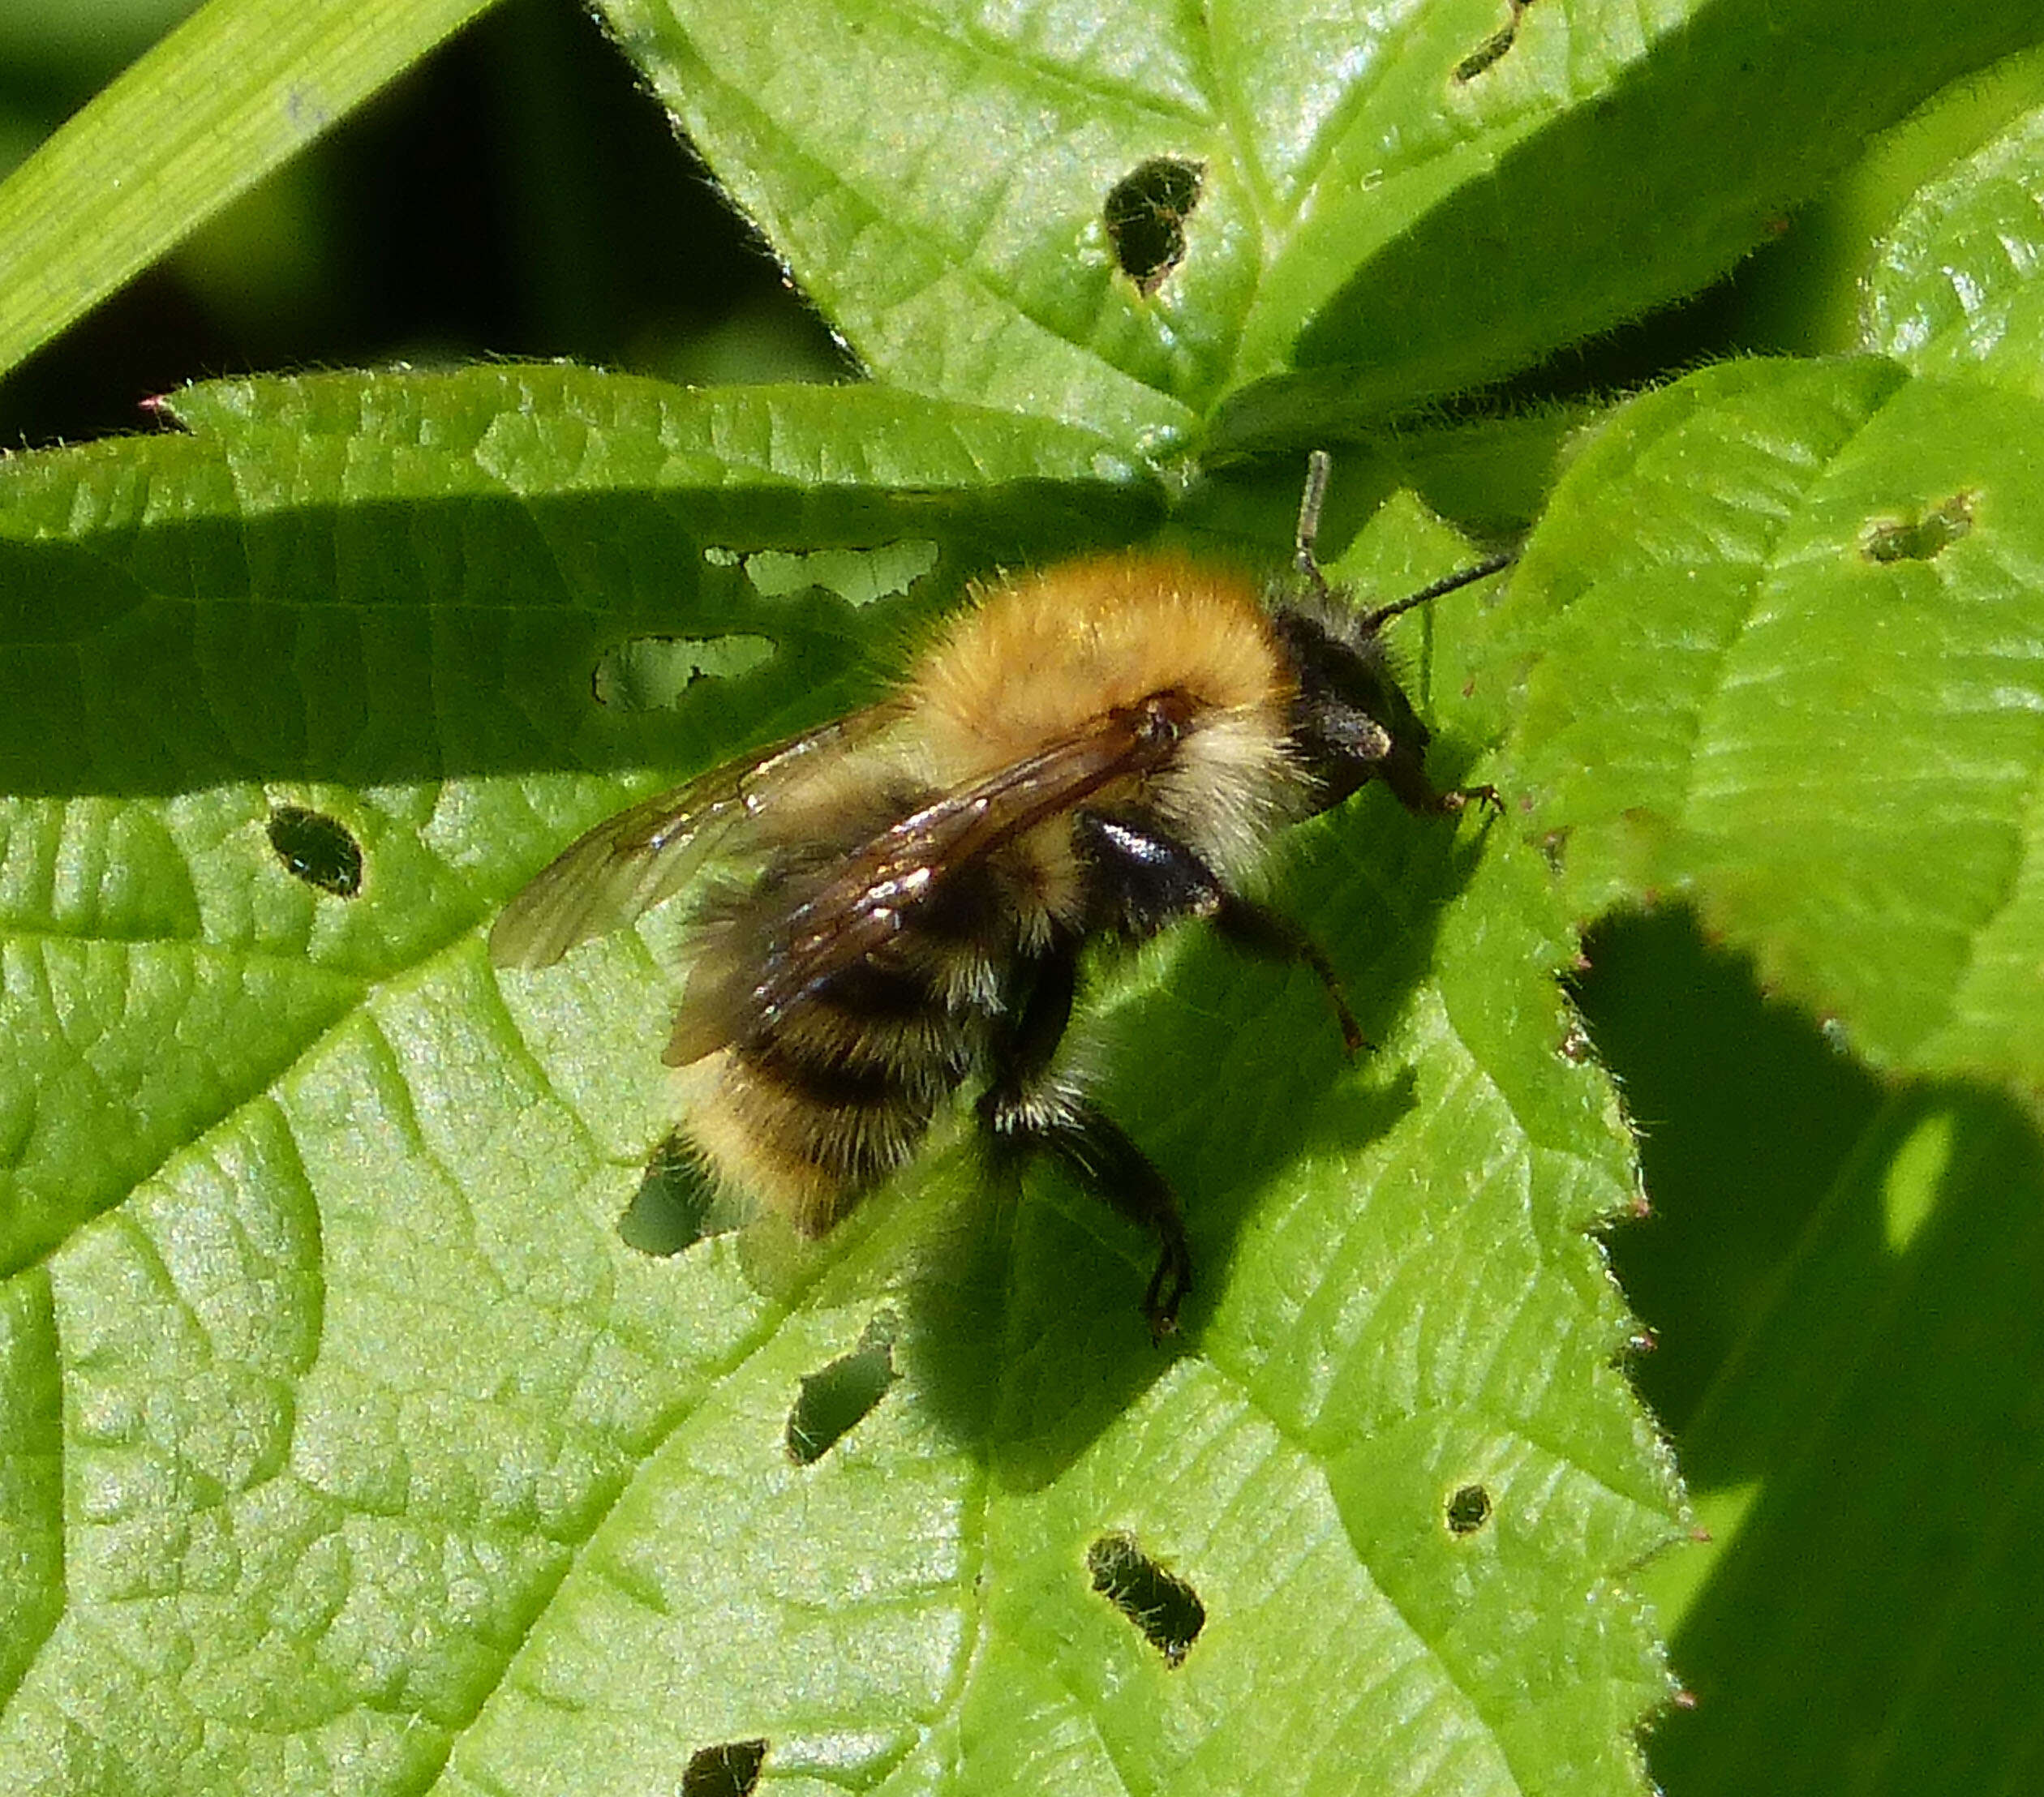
1094	751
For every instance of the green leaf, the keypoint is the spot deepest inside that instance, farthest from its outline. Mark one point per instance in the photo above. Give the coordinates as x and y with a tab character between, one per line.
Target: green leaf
1386	209
176	629
350	1446
1955	291
240	87
1818	288
1801	684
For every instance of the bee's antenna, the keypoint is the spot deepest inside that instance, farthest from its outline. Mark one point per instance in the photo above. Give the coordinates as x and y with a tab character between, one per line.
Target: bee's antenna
1317	465
1448	583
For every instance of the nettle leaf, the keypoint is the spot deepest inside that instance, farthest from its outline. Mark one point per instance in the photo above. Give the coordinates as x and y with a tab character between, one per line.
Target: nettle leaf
1126	215
1954	289
1777	648
351	1445
1798	676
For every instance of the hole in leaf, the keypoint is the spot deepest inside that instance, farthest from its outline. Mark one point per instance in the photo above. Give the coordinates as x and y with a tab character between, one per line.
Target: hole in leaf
674	1207
1167	1609
1145	215
1493	47
1468	1510
858	576
836	1399
652	673
317	849
1923	539
731	1768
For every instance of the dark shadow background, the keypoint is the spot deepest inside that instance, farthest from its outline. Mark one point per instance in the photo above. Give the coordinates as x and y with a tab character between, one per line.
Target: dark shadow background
1867	1625
516	195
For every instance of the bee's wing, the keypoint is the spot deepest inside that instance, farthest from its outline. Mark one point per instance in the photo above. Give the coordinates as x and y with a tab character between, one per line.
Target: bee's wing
877	888
615	873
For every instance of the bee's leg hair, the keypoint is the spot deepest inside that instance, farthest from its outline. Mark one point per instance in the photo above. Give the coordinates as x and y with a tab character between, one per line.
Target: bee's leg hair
1026	1034
1026	1113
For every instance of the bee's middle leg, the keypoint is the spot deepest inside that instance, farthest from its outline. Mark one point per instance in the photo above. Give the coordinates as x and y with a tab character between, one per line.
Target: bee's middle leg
1026	1113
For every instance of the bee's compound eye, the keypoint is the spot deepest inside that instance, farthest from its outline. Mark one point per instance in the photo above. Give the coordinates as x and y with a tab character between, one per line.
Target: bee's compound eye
317	849
731	1768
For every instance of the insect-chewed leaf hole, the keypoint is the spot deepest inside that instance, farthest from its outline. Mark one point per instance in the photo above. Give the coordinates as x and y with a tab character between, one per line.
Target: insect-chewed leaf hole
1492	48
731	1768
672	1208
835	1398
652	673
1468	1510
858	576
1145	215
1920	539
319	850
1164	1607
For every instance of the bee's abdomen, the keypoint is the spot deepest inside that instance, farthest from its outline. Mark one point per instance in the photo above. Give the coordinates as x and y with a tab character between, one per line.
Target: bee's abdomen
808	1111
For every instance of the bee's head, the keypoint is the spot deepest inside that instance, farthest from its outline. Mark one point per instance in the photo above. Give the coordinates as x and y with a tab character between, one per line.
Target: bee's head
1351	721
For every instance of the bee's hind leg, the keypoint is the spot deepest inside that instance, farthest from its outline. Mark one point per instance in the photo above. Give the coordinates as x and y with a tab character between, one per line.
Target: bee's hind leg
1026	1113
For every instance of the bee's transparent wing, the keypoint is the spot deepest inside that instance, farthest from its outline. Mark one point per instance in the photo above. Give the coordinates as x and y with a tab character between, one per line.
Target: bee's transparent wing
878	888
613	874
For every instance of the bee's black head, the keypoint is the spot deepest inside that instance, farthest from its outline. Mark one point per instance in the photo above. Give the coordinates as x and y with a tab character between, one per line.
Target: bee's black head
1351	721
